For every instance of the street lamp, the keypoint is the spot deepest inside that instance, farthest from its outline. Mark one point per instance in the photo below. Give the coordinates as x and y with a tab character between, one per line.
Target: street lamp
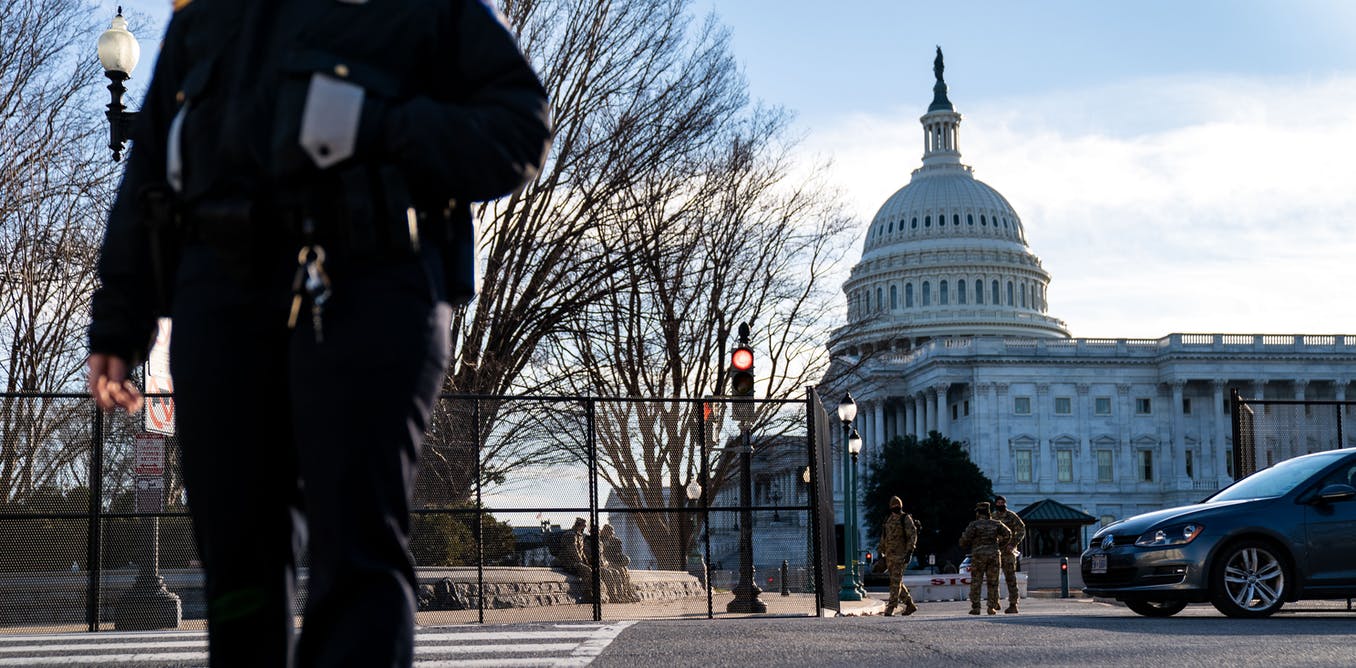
847	412
695	566
119	52
809	529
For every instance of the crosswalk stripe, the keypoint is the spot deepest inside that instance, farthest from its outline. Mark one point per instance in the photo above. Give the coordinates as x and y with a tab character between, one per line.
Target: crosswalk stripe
577	645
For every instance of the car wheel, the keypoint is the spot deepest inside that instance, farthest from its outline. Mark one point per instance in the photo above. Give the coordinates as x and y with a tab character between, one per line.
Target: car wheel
1248	580
1156	608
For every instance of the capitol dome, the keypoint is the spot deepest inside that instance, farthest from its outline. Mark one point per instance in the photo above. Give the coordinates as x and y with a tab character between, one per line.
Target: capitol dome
945	256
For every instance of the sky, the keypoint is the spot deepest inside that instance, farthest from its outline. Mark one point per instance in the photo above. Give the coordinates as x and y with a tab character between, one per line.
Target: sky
1178	166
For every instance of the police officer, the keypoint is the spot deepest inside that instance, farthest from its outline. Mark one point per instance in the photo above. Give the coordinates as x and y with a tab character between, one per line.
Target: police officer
898	539
1008	554
295	199
983	537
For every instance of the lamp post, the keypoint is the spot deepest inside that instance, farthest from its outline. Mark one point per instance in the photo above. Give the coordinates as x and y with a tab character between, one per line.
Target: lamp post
847	412
809	530
695	566
118	53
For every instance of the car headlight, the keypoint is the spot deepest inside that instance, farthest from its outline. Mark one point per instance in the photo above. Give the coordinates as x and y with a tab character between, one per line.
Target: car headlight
1178	534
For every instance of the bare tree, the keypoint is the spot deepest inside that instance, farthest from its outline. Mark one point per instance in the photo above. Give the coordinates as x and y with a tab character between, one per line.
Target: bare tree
728	236
54	184
636	90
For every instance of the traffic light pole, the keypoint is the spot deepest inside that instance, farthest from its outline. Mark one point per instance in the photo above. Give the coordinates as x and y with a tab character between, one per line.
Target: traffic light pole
746	591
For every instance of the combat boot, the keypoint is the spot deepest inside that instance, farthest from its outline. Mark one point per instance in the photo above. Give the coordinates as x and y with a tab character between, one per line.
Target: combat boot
1012	609
974	611
890	611
993	611
910	608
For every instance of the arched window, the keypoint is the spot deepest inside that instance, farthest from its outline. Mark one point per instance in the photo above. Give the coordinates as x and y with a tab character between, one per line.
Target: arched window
970	218
892	227
879	302
927	221
982	220
927	294
993	293
955	219
979	291
915	222
942	294
960	292
1023	295
1010	300
894	298
941	220
908	295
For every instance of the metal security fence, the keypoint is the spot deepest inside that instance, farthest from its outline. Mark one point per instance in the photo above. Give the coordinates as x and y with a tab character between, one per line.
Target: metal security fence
678	498
1266	431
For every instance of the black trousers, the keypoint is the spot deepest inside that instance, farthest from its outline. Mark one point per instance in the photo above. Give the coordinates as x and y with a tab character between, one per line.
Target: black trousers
289	444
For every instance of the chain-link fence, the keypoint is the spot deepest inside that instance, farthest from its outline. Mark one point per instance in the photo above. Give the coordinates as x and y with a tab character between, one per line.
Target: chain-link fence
526	509
1266	431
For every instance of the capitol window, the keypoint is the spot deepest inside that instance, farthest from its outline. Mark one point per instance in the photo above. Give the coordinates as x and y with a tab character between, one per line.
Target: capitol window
1063	406
1010	300
982	220
908	295
941	220
979	292
1064	465
1143	406
892	227
927	294
1102	406
1023	465
960	292
894	298
942	294
970	218
1146	465
880	303
915	222
1105	472
927	221
994	293
955	219
1021	405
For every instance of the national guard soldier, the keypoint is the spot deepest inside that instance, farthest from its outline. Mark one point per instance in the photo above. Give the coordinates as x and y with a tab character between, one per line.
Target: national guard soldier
1008	554
296	199
896	547
983	537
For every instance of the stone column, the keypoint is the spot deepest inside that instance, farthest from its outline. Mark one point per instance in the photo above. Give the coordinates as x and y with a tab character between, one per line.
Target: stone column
1001	447
1045	475
879	431
1340	394
1128	470
901	417
1178	476
919	416
930	398
943	408
1085	476
1298	442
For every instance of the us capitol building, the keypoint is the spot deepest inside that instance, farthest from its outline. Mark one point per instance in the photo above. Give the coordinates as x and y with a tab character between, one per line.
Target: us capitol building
949	330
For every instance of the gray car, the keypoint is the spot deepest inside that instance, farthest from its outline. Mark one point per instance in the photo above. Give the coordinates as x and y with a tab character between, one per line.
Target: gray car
1285	533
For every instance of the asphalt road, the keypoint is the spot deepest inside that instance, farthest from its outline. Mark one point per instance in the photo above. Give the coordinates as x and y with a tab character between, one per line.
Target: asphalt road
1049	632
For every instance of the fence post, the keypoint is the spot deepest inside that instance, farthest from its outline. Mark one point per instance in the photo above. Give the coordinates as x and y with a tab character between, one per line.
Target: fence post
591	412
93	550
479	525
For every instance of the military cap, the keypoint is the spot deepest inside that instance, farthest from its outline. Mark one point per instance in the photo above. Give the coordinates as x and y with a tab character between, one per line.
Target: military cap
982	507
895	502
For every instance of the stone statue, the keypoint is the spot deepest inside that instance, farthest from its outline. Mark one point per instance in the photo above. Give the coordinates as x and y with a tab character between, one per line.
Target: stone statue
615	569
573	555
937	65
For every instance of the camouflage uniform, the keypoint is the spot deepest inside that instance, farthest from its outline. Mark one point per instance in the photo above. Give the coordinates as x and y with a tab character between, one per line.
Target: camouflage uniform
896	546
1008	556
984	537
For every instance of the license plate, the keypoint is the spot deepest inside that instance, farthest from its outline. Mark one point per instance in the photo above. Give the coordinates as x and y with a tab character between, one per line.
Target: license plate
1098	563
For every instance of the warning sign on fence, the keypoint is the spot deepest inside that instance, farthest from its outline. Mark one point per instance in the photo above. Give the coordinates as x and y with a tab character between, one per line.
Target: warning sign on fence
150	454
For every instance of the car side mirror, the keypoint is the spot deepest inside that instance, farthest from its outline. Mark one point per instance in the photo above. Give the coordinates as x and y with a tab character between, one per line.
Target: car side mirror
1335	492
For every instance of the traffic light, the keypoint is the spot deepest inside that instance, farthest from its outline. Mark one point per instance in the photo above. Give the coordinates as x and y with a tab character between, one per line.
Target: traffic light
741	365
868	557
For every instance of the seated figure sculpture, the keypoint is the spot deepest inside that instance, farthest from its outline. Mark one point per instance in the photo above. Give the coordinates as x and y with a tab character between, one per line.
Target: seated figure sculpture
573	555
615	571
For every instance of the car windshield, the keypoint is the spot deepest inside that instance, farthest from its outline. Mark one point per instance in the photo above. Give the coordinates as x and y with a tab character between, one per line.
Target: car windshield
1277	480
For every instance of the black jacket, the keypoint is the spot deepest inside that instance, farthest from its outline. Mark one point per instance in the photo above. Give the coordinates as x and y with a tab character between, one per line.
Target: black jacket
450	102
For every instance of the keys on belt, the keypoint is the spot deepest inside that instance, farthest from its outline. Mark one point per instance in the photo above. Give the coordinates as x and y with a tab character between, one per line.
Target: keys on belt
310	281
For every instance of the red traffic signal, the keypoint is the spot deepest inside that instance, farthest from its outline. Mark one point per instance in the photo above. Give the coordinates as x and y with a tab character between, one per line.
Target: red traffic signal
741	372
868	557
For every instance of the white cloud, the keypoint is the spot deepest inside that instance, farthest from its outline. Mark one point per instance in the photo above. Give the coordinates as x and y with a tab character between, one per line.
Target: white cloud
1158	206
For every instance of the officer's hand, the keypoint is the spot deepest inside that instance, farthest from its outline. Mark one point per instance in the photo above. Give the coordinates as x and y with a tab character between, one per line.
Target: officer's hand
109	384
